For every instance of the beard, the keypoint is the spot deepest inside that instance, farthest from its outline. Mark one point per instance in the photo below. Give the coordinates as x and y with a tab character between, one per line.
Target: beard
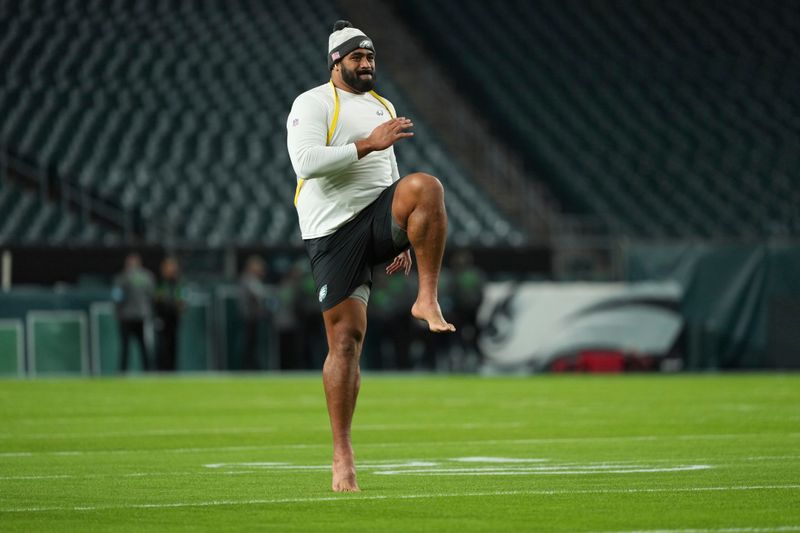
362	85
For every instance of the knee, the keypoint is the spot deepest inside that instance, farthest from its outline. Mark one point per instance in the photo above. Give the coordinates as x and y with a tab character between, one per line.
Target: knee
346	341
424	185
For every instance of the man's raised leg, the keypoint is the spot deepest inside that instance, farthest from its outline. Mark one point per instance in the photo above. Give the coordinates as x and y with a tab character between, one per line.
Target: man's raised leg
418	206
345	326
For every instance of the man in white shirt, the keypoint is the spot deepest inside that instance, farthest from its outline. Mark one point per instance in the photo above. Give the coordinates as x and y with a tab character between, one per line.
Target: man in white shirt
356	212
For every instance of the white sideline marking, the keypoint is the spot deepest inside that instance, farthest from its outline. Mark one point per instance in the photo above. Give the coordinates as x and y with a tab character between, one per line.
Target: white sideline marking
496	460
354	498
254	430
559	440
52	476
716	530
553	471
499	466
260	467
769	457
469	425
247	468
289	466
139	433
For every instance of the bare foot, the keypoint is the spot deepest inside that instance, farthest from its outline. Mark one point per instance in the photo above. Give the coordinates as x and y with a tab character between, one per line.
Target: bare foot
344	474
432	314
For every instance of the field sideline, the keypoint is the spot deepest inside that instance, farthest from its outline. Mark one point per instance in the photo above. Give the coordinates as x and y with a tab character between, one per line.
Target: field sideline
550	453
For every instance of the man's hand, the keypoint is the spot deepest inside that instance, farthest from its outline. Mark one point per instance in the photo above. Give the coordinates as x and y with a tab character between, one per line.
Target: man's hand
401	262
385	136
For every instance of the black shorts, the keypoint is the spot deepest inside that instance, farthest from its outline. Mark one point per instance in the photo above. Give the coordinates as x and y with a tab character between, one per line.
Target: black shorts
343	261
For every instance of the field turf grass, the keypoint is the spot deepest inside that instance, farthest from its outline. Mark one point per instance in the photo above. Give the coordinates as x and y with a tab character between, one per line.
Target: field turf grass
550	453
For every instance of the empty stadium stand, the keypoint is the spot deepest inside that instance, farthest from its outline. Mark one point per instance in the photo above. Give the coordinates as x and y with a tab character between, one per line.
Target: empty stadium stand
666	119
174	112
27	219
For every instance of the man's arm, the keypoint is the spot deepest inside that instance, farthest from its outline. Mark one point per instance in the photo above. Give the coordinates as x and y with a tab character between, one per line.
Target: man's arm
306	136
403	261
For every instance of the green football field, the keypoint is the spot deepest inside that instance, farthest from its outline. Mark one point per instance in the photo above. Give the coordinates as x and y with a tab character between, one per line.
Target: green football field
550	453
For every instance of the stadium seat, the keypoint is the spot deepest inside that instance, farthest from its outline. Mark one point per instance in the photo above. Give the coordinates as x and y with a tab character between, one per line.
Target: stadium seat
178	114
28	219
666	120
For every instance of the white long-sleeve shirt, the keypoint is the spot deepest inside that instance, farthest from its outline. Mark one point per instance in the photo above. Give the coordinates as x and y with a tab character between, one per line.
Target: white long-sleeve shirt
337	185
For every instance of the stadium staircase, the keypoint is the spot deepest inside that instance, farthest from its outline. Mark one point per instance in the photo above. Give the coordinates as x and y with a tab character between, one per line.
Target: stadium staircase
456	122
175	113
28	219
668	120
33	213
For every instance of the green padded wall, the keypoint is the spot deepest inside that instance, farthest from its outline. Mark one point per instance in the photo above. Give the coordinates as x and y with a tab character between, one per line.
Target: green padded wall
234	334
11	348
736	298
193	335
106	342
57	342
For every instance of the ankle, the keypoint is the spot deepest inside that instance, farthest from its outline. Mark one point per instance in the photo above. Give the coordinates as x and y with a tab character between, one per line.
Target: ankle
343	450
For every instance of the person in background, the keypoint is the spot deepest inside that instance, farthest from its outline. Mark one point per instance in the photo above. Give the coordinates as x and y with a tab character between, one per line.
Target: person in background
133	298
252	305
287	321
312	329
402	294
169	305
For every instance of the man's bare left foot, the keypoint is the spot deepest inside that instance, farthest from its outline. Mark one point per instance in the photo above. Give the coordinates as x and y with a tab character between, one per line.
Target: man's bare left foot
432	314
344	475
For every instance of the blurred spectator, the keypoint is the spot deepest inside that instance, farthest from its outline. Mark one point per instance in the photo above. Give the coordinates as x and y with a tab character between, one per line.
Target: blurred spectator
378	350
312	330
133	298
169	305
389	342
252	305
403	294
290	340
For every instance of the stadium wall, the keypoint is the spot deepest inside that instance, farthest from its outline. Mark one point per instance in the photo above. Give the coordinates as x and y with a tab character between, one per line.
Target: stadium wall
741	302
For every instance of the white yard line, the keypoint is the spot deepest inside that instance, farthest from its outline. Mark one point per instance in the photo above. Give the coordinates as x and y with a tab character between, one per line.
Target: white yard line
565	440
137	433
249	430
549	471
775	529
351	498
35	477
568	467
215	469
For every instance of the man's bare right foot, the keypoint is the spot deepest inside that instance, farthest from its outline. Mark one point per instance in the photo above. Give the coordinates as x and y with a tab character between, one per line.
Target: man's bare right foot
432	314
344	475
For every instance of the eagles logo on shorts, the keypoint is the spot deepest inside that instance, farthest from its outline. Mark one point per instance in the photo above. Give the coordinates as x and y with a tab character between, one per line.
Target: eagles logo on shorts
342	261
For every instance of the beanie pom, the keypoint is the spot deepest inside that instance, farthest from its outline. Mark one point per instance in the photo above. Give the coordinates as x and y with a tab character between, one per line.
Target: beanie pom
341	24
